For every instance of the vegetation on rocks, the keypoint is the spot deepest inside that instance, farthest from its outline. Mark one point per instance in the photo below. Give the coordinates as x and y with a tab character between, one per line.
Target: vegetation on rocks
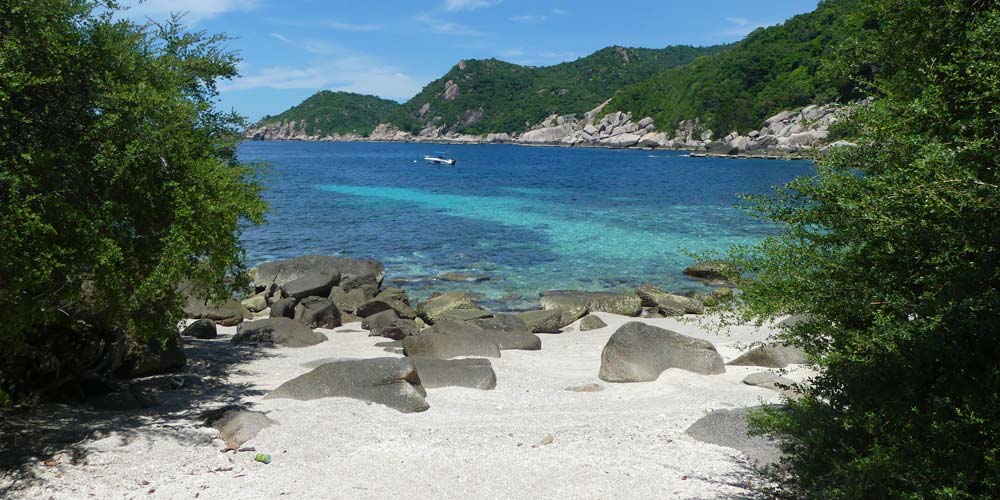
773	69
891	253
327	112
118	181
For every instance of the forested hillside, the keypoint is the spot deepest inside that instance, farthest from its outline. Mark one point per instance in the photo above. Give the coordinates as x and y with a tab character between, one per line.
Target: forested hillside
777	68
481	96
327	112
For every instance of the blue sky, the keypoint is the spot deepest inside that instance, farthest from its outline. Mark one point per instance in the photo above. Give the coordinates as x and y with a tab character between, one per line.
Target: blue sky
392	48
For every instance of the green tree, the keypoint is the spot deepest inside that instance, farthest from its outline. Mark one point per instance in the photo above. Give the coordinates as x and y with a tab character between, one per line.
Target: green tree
893	252
118	178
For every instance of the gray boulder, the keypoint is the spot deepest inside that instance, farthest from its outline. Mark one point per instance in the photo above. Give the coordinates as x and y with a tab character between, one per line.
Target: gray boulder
317	312
284	308
437	345
387	324
201	329
238	426
503	323
713	271
543	321
226	313
378	305
729	428
474	373
256	303
431	309
523	341
159	356
591	322
287	270
772	381
574	304
637	352
670	304
392	382
350	301
771	356
394	293
465	314
316	284
277	331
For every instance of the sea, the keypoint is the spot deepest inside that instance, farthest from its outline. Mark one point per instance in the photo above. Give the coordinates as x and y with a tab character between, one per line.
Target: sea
512	221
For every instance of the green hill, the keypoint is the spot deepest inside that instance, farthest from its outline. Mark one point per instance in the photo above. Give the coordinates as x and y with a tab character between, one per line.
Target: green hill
328	112
495	96
773	69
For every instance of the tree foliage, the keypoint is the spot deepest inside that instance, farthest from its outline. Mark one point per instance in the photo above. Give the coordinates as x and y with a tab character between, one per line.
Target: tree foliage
327	112
773	69
118	178
893	252
511	97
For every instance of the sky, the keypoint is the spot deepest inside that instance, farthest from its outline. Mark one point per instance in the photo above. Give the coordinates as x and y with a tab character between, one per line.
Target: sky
291	49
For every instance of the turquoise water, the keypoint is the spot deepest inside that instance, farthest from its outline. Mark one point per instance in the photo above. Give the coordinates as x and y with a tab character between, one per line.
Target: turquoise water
531	219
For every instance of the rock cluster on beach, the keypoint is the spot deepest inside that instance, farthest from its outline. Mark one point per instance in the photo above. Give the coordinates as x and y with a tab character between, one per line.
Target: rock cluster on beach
787	132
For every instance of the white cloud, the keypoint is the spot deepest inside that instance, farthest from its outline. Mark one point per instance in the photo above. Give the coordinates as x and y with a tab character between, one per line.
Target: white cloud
559	12
280	37
194	10
742	26
469	4
354	27
529	19
337	70
445	27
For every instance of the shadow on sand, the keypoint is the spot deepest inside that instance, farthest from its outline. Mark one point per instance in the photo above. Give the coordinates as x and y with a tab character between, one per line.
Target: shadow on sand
32	435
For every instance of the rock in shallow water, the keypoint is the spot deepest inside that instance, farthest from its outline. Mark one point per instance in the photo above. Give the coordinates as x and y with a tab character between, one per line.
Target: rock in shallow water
392	382
638	352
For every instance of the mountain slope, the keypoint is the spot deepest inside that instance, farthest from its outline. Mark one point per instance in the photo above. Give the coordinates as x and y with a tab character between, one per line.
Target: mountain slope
329	112
773	69
481	96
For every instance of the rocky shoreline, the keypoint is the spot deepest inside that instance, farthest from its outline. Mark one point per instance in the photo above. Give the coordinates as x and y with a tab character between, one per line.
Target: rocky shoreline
787	135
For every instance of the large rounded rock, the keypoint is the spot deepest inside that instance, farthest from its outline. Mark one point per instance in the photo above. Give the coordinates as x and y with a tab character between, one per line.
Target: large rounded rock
284	308
523	341
772	381
316	284
317	312
277	331
713	271
392	382
474	373
227	312
465	314
287	270
431	309
256	303
350	301
771	356
591	322
574	304
729	428
237	426
387	324
378	305
543	321
159	356
436	345
669	304
201	329
638	352
503	323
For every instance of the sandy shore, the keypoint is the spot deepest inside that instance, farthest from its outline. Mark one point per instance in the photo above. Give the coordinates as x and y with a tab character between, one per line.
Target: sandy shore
626	441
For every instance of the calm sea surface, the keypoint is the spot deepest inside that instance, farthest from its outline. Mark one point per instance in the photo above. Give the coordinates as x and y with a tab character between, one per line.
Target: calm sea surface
529	218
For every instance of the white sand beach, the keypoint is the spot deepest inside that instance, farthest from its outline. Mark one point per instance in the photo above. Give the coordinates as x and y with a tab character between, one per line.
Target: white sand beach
626	441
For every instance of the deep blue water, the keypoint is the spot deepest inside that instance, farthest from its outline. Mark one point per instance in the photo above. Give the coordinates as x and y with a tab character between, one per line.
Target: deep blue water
531	218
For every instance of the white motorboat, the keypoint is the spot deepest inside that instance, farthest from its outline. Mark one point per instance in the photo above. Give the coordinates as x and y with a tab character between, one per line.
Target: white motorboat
437	160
